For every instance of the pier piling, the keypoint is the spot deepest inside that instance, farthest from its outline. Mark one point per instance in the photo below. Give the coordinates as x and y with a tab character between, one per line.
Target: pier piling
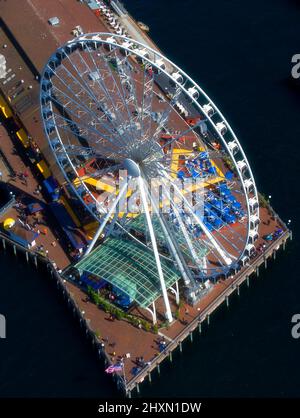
191	336
227	301
200	327
180	346
4	243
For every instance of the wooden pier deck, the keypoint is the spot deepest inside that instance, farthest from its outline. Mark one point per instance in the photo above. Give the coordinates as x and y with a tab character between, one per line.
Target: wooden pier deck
121	337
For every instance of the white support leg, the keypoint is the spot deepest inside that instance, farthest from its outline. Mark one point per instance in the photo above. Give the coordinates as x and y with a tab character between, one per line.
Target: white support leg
176	292
174	251
106	219
155	250
184	230
212	240
153	313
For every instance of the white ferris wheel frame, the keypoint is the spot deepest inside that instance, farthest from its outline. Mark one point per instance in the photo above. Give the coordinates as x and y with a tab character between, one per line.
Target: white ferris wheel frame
220	126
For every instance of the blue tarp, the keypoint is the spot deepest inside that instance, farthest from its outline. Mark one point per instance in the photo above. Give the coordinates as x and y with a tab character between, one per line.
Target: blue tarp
208	225
93	283
123	299
51	187
194	173
23	237
203	155
35	207
217	223
229	218
67	225
229	175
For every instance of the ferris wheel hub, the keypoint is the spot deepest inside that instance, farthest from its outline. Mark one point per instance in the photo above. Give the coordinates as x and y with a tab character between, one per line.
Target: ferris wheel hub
132	167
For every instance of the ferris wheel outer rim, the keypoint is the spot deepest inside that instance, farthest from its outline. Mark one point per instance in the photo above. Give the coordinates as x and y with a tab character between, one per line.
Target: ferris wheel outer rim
95	37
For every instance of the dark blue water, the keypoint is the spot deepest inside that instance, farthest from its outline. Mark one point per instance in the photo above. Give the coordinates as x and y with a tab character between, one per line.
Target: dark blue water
240	53
45	352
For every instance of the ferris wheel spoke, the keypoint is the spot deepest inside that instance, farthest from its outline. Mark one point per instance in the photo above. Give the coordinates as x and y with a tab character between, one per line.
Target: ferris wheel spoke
83	108
107	217
131	86
103	87
146	100
209	248
78	150
164	119
92	120
174	248
185	234
68	126
175	138
78	126
98	173
155	249
237	236
88	124
86	89
119	121
177	212
223	237
90	153
121	95
168	170
123	98
219	248
181	134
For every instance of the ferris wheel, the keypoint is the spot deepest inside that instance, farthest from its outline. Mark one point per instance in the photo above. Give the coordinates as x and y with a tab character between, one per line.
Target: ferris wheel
149	155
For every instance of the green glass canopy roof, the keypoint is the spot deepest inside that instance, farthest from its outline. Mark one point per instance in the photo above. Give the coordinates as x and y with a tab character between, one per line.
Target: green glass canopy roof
138	224
130	267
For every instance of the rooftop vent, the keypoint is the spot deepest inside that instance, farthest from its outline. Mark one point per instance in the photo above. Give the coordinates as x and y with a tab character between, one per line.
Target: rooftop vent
53	21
